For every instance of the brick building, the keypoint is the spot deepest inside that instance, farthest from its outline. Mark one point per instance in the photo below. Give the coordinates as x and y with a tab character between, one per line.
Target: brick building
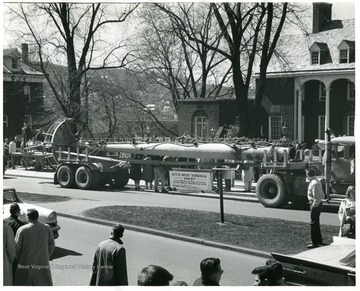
23	91
203	117
310	88
313	88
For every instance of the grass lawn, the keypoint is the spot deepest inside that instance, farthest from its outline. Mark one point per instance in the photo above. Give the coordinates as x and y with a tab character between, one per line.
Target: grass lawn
264	234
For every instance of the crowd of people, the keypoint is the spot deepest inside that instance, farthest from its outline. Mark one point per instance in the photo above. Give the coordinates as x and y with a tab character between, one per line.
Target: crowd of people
31	244
27	248
110	269
11	146
156	175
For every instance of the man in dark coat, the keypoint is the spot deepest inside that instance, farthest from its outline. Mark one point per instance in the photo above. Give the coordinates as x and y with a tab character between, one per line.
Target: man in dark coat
210	272
109	267
14	220
34	247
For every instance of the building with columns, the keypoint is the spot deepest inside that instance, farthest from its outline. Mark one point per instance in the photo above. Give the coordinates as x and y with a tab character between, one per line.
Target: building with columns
311	87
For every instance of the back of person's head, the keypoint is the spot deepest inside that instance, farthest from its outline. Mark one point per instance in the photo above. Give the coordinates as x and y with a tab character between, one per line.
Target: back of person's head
180	283
153	275
32	214
275	272
310	172
209	266
14	209
261	275
117	230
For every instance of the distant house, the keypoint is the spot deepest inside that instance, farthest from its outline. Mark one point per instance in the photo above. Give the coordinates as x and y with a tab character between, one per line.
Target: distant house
23	91
313	87
204	117
310	88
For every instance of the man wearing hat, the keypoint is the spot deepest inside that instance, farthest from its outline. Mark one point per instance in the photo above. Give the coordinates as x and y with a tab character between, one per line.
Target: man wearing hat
315	195
109	266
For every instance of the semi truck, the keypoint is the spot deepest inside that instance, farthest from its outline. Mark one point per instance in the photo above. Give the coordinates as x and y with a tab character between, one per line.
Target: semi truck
87	164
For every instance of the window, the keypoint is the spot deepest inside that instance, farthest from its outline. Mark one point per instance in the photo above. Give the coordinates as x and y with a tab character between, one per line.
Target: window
343	56
275	124
322	92
27	95
315	58
351	91
14	63
321	127
28	120
346	51
5	121
200	124
350	125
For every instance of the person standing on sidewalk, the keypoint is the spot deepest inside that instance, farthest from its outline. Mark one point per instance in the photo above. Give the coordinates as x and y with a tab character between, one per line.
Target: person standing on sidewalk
315	195
159	175
12	151
148	174
109	266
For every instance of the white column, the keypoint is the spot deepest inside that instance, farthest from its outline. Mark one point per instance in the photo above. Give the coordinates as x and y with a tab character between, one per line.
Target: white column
327	110
299	117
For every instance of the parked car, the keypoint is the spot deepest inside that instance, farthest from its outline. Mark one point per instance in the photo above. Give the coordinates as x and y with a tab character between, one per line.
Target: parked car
331	265
46	215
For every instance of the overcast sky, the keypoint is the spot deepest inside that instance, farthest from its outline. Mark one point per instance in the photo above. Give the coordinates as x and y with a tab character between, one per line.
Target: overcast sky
340	10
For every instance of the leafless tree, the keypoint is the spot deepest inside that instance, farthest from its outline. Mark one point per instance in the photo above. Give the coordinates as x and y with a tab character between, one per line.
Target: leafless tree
249	30
70	34
117	104
184	67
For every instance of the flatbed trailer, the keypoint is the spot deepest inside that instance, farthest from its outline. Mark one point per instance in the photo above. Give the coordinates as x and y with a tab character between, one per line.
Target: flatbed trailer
89	164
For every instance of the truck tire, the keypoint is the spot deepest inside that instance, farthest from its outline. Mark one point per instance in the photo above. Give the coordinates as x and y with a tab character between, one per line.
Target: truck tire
65	176
120	180
85	178
271	191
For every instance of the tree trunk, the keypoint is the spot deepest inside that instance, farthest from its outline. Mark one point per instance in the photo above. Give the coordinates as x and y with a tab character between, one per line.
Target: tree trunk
241	93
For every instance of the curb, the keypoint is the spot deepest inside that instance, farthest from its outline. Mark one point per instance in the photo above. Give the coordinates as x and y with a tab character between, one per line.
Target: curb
172	236
32	175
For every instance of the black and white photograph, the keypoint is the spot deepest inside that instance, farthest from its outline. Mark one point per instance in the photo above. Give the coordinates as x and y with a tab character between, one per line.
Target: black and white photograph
170	144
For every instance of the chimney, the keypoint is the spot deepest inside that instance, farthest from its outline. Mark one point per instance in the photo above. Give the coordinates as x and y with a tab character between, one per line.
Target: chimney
321	15
25	52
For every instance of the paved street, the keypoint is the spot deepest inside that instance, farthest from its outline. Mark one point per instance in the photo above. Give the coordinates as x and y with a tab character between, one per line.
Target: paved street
82	200
75	248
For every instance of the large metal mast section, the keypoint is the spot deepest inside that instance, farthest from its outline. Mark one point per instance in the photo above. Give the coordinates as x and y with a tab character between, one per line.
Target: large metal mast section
62	138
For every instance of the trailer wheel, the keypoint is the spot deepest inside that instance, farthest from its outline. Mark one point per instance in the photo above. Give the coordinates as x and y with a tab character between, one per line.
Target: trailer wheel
65	176
271	191
120	180
85	178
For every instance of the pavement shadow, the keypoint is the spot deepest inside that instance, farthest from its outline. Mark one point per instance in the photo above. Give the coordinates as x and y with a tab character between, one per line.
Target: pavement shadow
61	252
48	183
